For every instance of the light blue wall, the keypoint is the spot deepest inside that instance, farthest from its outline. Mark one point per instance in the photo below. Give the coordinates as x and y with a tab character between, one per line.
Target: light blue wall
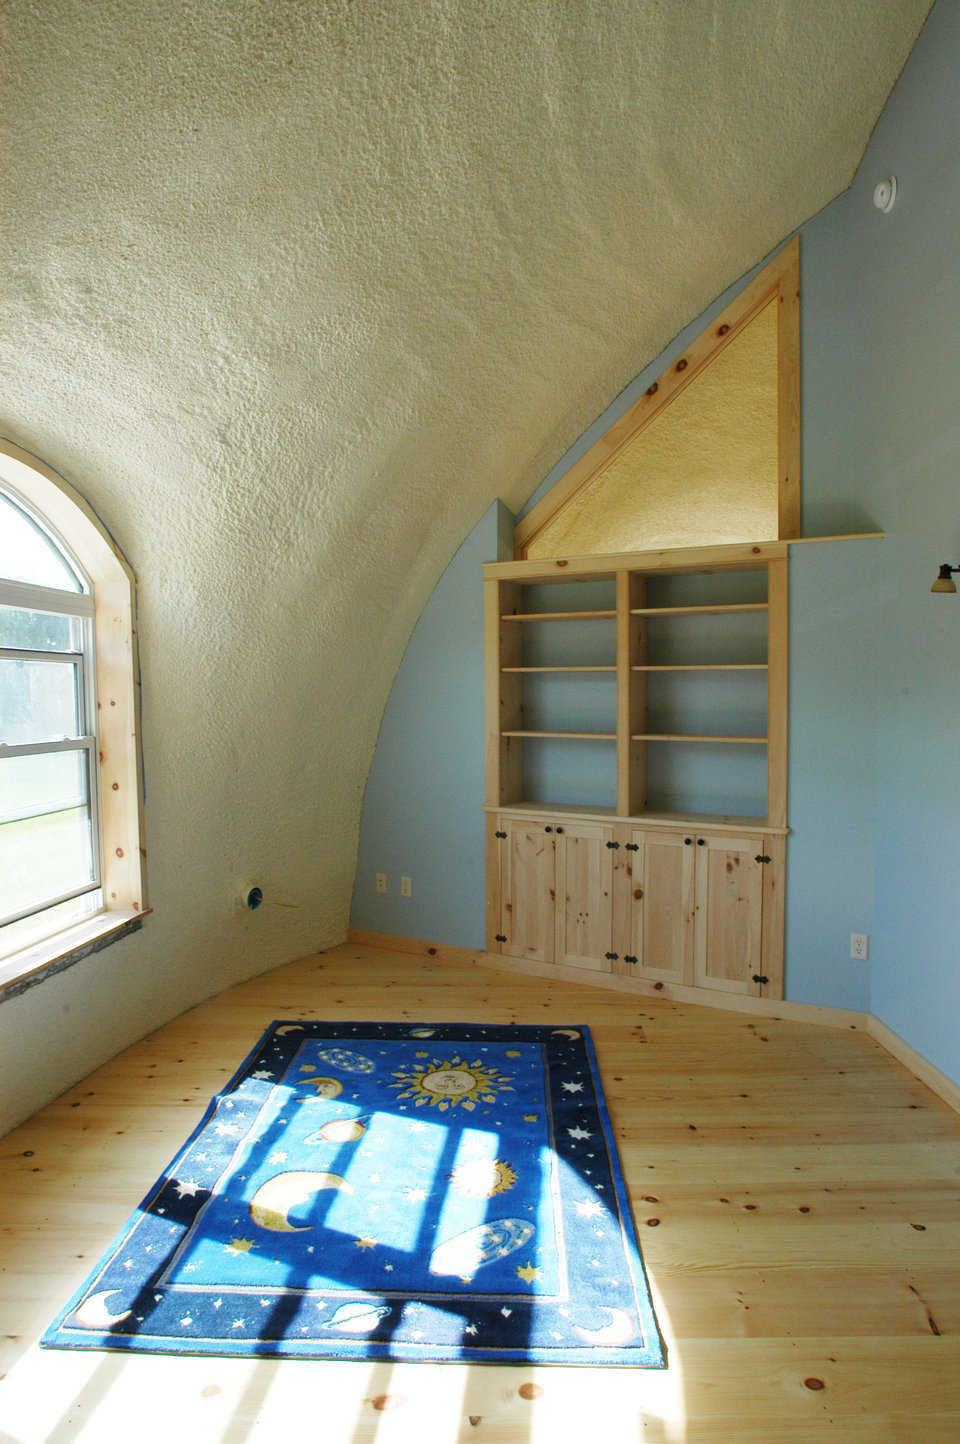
874	802
881	314
422	815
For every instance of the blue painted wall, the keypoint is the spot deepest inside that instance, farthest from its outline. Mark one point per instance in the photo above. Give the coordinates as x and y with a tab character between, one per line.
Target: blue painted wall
422	815
874	657
882	440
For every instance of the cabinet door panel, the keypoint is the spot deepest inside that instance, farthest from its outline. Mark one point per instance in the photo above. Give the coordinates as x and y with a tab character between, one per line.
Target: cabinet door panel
729	913
585	896
661	906
527	883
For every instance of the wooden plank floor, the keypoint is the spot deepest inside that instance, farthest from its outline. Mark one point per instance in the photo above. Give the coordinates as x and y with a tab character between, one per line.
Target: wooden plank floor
796	1191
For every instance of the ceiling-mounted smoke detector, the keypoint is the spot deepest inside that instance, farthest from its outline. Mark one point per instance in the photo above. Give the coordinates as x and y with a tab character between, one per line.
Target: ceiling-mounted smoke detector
885	194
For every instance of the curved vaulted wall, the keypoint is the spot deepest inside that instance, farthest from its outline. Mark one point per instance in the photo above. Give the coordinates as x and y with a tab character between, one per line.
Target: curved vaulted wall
294	292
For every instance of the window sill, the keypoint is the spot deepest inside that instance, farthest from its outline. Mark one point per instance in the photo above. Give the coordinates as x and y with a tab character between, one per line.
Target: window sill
32	965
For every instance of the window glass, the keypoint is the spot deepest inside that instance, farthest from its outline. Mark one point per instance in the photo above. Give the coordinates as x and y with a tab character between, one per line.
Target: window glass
39	700
46	836
39	631
27	554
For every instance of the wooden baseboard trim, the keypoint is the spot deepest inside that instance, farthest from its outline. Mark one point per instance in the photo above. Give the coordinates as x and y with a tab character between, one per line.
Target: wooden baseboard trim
703	997
938	1082
890	1041
420	947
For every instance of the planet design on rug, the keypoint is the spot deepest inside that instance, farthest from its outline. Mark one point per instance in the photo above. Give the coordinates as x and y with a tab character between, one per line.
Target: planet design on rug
422	1032
620	1329
94	1314
273	1200
357	1318
486	1243
449	1082
345	1060
340	1130
483	1177
326	1087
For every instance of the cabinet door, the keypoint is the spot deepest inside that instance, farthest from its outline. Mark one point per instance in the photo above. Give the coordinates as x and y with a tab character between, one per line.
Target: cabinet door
660	878
585	895
527	889
729	913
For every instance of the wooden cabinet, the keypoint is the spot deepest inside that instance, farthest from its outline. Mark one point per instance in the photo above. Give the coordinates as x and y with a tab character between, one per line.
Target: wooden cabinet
636	764
658	887
555	901
693	907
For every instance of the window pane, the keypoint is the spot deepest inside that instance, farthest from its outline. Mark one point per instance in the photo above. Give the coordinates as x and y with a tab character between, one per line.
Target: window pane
38	701
39	631
48	921
46	840
28	555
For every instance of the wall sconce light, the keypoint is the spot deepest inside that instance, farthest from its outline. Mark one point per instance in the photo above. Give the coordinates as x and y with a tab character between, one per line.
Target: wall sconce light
945	582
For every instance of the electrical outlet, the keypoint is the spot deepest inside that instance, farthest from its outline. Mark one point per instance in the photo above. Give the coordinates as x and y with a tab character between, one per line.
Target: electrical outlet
860	946
406	887
381	882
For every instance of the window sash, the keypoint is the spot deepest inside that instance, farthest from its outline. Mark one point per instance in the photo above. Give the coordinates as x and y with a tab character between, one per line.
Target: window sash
75	604
45	599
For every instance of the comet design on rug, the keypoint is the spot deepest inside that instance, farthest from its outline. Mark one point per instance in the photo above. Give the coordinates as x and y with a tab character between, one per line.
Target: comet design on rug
462	1255
345	1060
357	1318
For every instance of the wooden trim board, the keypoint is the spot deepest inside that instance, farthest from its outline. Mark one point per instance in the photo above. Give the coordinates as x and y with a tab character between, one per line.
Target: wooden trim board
890	1041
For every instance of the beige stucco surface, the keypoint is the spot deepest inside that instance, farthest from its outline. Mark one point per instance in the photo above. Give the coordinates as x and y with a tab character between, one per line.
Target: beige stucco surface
292	292
703	471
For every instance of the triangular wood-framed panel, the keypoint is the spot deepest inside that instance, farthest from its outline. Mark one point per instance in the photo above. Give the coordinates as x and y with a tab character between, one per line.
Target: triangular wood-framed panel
759	328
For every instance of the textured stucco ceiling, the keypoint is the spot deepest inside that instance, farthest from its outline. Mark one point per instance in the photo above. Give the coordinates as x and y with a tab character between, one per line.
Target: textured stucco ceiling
296	289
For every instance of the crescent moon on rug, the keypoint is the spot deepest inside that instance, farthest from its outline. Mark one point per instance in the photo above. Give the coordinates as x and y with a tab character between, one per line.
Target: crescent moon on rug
274	1199
94	1314
567	1032
620	1329
289	1028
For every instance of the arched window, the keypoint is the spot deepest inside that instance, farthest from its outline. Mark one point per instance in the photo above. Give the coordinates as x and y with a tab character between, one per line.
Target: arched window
70	847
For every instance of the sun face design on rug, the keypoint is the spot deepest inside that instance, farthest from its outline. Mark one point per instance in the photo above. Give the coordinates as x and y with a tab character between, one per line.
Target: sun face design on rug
483	1177
450	1082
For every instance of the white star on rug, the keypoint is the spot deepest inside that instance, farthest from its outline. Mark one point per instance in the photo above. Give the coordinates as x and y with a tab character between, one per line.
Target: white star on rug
188	1189
593	1209
573	1087
579	1133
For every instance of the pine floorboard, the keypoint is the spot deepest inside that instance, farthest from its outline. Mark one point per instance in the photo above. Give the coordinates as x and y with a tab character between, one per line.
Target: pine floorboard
796	1193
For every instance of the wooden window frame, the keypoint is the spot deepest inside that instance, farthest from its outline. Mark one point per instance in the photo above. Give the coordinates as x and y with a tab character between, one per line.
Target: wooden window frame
779	280
116	685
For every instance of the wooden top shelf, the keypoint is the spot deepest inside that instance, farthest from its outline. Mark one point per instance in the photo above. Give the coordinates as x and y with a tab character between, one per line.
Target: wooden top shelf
702	611
558	669
699	667
692	737
584	736
552	616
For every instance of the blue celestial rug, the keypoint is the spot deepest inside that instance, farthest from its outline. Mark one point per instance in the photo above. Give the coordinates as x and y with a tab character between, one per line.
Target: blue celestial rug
445	1192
